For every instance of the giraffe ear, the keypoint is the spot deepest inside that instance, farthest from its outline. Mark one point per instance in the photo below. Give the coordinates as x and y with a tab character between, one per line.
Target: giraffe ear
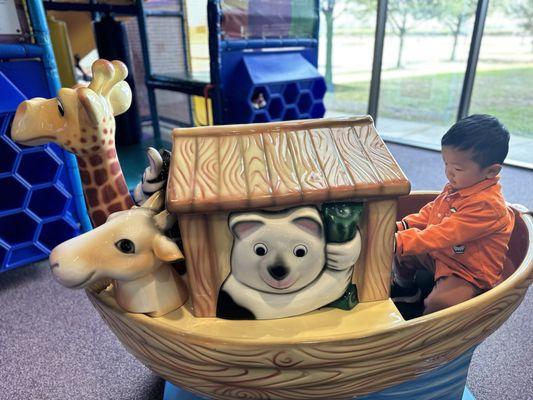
120	98
90	102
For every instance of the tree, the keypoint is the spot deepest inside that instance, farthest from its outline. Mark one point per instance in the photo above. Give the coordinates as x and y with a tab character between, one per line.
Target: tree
523	10
454	14
403	13
330	15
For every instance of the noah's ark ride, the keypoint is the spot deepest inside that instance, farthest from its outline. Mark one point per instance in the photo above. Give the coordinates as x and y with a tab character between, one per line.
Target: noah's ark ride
367	350
370	351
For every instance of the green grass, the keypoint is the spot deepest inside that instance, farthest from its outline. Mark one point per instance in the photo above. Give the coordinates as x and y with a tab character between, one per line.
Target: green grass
506	93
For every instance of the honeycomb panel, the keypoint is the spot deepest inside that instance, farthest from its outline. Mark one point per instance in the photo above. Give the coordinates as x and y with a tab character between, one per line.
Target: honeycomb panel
25	254
38	167
48	202
291	113
17	228
13	195
304	102
290	94
8	154
319	89
275	108
304	85
318	110
56	232
276	89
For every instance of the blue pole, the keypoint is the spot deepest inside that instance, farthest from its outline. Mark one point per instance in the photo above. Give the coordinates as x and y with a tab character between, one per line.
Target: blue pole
42	39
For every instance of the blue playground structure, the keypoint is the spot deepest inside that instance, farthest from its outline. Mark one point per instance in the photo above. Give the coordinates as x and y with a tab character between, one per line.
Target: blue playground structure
42	202
265	49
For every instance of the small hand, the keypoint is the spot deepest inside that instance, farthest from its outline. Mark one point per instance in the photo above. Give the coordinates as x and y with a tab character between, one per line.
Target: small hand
341	256
149	185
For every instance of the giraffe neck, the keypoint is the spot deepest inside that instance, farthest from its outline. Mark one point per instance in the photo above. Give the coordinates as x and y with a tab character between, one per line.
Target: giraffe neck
104	184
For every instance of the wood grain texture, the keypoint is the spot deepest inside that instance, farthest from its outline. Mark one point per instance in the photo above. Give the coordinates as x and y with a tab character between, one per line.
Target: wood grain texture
181	180
233	189
206	184
330	161
283	176
245	167
202	269
378	246
312	179
257	174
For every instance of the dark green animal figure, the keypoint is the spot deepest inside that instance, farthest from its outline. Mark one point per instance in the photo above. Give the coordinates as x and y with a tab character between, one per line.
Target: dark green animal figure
340	225
340	221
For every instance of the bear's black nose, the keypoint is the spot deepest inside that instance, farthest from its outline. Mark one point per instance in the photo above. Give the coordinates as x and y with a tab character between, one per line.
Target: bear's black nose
278	272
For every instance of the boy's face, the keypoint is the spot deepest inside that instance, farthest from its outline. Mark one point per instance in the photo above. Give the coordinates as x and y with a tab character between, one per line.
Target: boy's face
461	169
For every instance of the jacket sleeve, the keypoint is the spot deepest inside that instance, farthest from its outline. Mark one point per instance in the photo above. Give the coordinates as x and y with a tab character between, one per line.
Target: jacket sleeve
469	223
418	220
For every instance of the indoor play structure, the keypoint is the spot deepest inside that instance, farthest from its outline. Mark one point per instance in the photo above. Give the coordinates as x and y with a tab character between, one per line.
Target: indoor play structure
229	185
45	201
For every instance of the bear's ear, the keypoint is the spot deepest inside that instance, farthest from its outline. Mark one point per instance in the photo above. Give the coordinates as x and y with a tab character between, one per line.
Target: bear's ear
309	225
243	225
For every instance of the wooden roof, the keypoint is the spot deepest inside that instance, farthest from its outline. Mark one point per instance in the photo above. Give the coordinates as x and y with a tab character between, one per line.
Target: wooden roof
239	167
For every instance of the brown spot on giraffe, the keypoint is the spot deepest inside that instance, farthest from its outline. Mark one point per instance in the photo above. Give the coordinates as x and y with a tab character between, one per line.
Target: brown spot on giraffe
81	162
94	138
108	193
98	217
83	151
121	186
111	153
83	130
92	196
95	148
68	143
115	168
105	131
85	177
111	141
115	207
95	160
100	176
83	140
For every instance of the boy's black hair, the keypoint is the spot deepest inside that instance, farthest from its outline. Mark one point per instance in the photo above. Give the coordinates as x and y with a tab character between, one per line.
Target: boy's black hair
483	134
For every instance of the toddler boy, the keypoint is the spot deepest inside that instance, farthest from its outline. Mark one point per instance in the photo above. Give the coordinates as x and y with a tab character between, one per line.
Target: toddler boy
462	236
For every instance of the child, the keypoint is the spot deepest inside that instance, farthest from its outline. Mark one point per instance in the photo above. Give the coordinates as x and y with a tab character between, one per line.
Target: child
462	235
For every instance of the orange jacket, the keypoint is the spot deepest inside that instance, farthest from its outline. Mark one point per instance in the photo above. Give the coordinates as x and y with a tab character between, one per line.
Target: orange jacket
467	233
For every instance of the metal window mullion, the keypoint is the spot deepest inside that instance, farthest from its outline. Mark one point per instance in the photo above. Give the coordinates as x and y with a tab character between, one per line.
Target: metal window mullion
379	39
473	56
143	33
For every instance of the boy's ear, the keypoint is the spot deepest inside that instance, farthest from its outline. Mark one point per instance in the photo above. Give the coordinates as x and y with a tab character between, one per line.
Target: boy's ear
493	170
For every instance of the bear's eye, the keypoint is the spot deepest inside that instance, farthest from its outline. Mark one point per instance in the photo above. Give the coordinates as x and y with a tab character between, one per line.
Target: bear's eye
300	250
125	246
260	249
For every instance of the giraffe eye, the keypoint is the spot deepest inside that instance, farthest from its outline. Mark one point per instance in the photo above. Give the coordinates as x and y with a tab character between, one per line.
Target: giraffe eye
60	107
125	246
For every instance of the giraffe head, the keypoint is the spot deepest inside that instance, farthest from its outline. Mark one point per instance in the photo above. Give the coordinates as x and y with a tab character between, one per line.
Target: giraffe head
80	120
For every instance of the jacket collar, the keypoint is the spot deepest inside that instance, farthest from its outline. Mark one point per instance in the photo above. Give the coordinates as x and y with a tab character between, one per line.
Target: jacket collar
478	187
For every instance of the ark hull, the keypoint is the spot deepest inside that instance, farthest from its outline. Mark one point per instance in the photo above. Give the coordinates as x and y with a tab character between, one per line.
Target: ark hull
328	353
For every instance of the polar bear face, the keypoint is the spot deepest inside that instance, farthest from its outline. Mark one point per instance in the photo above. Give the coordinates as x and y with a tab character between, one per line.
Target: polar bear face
279	252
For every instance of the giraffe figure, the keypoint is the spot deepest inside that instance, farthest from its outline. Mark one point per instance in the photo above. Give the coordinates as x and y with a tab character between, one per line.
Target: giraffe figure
81	120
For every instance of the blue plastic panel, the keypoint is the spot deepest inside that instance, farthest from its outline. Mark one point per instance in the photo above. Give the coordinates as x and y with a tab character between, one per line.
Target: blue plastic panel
36	208
288	84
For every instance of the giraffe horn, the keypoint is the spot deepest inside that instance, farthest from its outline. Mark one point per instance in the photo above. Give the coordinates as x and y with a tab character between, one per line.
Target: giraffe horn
155	202
103	71
120	73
